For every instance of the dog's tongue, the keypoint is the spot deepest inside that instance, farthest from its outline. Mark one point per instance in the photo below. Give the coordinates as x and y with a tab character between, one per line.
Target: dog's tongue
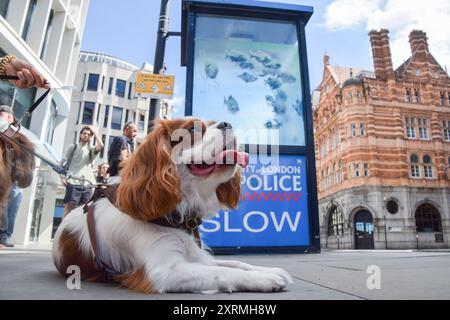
234	157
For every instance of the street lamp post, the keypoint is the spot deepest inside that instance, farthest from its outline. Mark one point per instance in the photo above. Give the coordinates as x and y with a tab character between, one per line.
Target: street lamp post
163	32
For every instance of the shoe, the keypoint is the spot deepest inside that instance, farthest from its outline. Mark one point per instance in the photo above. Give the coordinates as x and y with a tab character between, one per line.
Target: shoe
4	242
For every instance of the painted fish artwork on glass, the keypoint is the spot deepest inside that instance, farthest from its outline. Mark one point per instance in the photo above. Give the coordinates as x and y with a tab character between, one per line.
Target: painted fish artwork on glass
273	124
236	56
231	103
248	77
278	103
298	107
251	84
211	70
287	77
273	83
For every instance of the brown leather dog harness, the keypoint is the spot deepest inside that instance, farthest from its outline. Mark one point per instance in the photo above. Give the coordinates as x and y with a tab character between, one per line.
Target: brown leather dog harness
174	220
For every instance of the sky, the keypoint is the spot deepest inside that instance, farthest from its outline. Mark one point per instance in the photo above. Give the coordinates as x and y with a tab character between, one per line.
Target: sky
339	28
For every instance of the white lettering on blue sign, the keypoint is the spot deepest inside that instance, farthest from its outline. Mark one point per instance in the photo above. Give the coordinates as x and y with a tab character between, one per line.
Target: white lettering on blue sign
280	223
272	183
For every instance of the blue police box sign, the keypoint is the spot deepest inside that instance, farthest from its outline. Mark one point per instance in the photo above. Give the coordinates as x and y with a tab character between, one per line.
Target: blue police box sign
273	211
246	65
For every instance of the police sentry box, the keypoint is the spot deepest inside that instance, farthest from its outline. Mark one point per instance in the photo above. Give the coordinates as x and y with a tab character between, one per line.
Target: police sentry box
246	65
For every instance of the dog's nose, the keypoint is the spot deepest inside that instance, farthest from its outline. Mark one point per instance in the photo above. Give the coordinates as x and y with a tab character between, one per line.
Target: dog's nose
224	126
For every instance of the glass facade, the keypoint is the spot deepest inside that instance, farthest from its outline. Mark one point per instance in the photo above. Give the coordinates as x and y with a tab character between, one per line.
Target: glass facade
116	119
51	125
93	82
111	80
120	88
29	18
47	34
4	7
88	113
19	99
141	122
106	118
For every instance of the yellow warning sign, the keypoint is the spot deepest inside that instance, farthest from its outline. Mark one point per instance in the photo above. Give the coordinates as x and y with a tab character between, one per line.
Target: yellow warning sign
154	86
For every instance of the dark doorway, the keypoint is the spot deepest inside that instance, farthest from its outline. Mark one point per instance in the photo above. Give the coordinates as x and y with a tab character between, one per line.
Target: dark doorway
428	219
364	230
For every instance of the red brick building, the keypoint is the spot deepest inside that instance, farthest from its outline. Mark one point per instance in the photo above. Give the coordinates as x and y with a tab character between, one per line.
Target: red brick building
383	151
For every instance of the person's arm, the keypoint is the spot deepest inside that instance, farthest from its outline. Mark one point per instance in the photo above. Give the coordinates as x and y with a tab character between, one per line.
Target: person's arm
123	154
99	146
69	153
27	74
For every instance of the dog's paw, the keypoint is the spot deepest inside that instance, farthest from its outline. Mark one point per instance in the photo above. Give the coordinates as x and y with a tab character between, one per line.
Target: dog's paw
281	272
258	281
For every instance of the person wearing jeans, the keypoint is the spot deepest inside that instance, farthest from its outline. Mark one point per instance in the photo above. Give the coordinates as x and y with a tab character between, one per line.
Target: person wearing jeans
7	229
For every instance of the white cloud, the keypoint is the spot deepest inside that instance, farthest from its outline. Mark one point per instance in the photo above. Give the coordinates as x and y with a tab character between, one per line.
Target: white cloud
400	17
343	14
177	104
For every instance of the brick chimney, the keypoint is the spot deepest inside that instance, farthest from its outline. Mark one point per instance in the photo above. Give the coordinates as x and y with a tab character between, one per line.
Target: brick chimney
418	41
381	52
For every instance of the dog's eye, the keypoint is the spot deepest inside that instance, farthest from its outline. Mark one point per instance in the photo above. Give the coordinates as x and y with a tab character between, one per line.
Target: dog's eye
191	129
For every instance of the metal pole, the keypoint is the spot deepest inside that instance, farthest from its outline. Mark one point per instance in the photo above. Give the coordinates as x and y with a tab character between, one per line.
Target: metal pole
385	232
163	30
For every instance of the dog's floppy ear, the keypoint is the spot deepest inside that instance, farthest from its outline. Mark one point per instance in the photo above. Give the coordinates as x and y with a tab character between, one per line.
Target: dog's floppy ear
229	192
150	185
24	162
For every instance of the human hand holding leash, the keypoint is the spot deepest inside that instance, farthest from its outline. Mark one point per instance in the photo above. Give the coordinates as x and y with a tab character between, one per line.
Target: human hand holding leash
22	74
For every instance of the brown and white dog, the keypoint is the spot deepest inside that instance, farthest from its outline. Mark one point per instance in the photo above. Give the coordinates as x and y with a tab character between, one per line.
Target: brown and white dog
16	165
158	179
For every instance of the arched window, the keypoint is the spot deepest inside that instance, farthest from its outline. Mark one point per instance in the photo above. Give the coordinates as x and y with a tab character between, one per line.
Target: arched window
341	177
428	219
335	222
415	169
427	166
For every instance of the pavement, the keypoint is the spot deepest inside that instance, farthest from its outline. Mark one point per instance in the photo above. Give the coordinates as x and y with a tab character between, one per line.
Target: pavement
27	272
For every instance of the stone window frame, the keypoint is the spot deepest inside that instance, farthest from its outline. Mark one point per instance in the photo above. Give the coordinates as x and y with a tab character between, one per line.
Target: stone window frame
336	222
366	168
362	128
417	97
428	167
446	129
388	203
414	166
336	173
422	124
442	98
352	129
410	125
357	172
322	182
408	95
